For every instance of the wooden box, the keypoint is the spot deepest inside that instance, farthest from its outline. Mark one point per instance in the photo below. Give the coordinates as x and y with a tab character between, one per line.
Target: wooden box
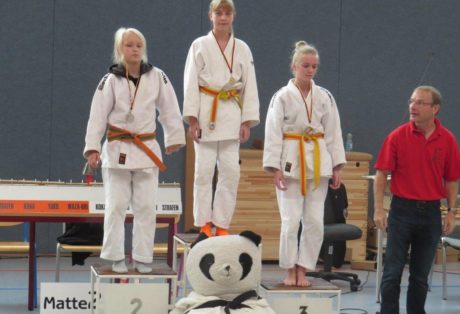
358	197
256	205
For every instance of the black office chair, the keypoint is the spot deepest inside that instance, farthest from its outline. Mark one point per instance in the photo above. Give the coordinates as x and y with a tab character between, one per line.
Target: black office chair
336	232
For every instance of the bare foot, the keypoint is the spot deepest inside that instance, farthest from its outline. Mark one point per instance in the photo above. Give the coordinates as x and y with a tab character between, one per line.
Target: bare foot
290	279
301	278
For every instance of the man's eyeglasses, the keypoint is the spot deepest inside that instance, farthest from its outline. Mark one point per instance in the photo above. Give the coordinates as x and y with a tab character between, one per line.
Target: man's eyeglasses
418	102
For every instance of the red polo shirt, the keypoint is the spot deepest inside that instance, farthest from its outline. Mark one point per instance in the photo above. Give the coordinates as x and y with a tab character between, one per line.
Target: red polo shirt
419	167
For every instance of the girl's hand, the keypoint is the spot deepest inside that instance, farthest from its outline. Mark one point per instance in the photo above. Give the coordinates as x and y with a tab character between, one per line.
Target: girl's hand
245	132
336	180
279	180
172	149
194	129
93	158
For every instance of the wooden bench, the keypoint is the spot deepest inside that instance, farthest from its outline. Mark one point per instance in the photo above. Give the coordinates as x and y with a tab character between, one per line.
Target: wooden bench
14	246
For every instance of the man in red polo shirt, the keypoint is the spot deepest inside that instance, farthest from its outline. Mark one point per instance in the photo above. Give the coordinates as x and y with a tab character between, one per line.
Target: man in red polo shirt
424	162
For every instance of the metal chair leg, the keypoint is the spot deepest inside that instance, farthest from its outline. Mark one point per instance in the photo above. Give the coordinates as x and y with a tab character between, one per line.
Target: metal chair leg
58	262
430	276
378	275
444	277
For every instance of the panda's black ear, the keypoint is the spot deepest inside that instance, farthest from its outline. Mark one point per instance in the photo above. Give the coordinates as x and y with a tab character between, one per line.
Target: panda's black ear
202	236
254	237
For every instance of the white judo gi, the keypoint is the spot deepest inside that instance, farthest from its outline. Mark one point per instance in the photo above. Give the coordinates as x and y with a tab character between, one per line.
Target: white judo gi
130	176
206	67
287	114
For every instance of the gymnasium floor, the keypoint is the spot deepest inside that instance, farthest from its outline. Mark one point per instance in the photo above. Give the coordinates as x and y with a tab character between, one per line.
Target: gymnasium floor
13	285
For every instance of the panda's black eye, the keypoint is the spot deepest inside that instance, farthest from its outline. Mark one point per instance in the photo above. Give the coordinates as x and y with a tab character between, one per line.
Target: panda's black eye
205	264
246	263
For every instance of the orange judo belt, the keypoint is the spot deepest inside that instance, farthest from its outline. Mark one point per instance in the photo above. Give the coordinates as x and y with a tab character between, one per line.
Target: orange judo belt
222	94
302	161
118	134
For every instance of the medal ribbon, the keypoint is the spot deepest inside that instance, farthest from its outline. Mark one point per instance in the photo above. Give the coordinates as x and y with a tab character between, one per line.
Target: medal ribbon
309	111
229	65
131	105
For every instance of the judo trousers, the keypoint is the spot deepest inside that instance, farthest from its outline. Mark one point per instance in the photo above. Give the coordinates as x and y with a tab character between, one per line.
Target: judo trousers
138	189
309	210
226	155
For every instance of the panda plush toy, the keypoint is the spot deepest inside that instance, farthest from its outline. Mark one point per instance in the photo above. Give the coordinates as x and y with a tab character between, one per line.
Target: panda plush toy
224	272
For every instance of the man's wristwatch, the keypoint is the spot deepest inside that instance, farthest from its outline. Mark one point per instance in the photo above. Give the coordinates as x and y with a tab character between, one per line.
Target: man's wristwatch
452	210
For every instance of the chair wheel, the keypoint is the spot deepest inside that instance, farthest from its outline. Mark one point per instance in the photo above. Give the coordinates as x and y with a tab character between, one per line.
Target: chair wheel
354	286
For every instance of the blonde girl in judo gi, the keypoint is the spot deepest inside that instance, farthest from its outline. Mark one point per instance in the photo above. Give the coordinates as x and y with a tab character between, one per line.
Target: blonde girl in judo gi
221	104
124	109
303	149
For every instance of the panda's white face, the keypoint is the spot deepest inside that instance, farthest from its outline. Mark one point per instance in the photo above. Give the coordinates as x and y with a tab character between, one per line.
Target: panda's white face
226	271
224	266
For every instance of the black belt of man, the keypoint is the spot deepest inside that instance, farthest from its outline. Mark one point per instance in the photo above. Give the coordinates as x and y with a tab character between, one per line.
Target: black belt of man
420	204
